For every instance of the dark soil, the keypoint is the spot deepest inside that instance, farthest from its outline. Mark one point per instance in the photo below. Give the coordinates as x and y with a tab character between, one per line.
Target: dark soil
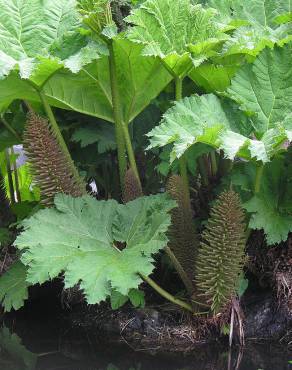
266	320
163	328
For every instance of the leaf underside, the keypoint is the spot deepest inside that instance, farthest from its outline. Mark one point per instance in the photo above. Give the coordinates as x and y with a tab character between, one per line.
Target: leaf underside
261	90
255	24
140	80
265	89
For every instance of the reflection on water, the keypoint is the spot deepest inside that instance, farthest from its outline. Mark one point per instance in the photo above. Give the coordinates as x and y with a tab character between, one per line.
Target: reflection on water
45	347
13	355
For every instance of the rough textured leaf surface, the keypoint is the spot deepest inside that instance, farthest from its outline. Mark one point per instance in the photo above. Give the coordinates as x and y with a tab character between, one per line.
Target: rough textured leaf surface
215	75
32	31
176	31
209	120
255	22
262	90
100	244
39	39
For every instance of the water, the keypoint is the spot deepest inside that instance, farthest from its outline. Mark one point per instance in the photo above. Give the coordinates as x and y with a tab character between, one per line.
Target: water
47	344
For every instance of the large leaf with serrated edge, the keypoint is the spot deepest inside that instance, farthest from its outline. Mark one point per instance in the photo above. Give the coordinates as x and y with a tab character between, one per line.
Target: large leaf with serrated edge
256	24
178	32
140	80
264	89
218	123
37	40
102	245
39	37
14	287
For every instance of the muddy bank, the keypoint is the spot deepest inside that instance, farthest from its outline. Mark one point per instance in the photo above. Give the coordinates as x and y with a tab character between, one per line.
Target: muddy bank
166	328
267	320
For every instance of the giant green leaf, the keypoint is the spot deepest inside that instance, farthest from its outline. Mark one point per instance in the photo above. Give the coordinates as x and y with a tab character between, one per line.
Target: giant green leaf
264	89
102	245
191	120
38	37
87	92
13	287
140	80
179	33
41	48
208	120
255	22
13	88
81	91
